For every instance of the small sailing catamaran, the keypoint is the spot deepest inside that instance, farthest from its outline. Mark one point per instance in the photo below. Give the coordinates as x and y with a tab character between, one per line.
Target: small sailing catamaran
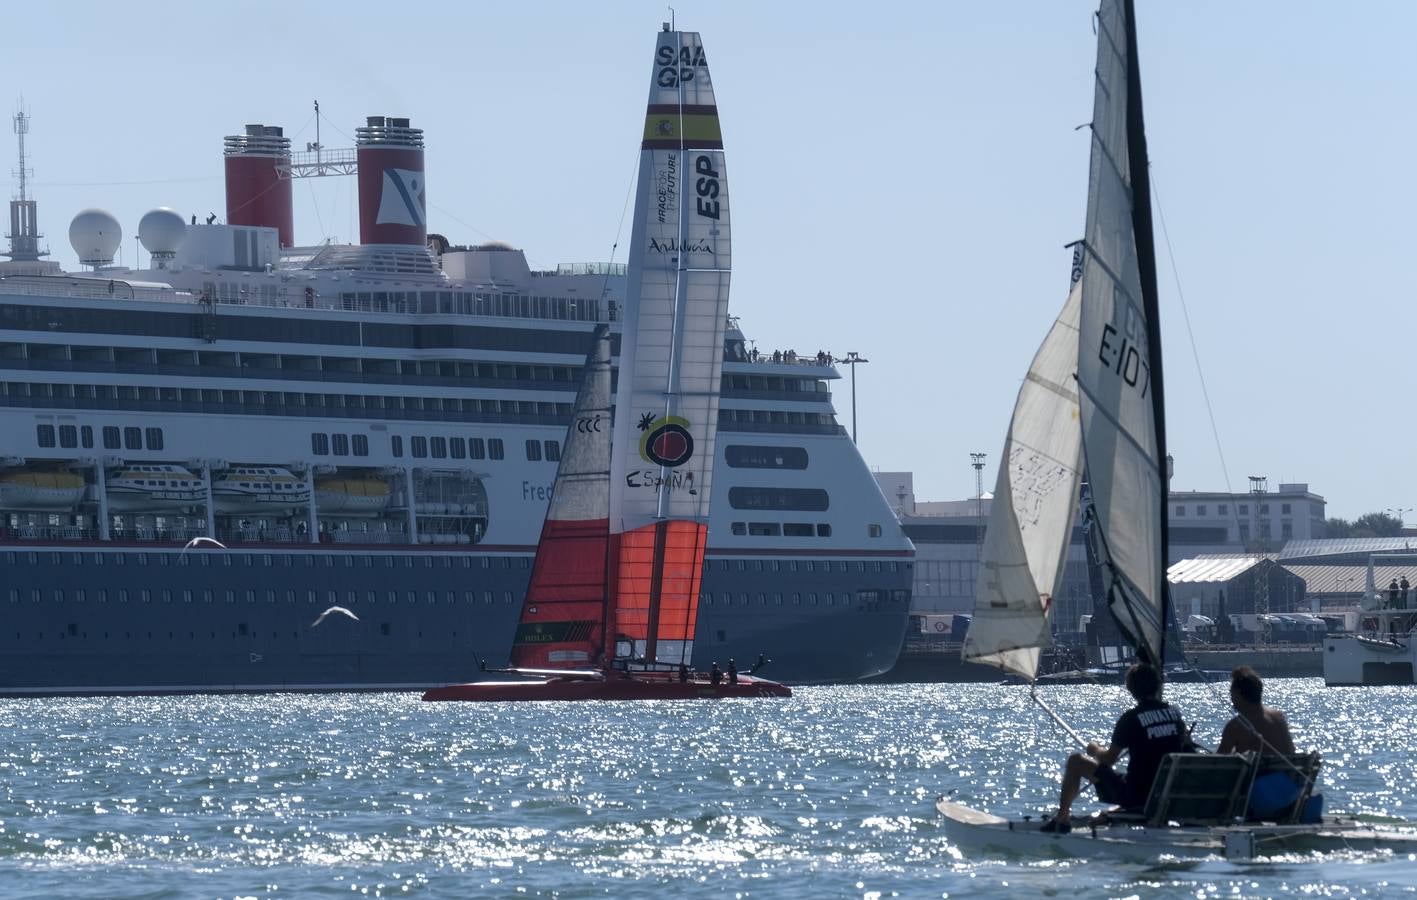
1093	403
613	602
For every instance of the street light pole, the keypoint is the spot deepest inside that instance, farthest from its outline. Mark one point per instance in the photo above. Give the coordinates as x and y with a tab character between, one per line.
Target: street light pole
977	460
852	358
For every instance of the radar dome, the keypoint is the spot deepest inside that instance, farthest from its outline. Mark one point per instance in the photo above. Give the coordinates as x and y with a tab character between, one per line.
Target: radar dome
95	235
161	231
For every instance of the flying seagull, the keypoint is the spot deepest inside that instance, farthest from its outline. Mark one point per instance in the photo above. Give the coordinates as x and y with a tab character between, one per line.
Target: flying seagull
334	609
204	543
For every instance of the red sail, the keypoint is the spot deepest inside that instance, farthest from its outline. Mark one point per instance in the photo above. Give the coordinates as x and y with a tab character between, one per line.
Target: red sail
563	616
657	606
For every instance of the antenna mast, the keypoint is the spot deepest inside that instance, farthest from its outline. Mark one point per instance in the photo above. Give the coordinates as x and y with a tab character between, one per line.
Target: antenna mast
24	229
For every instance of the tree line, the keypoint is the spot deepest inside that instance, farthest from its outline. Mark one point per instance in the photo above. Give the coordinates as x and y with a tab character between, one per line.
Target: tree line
1373	524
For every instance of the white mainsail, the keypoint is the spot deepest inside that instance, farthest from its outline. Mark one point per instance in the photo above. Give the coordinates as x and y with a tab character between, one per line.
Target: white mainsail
1119	373
1034	509
671	354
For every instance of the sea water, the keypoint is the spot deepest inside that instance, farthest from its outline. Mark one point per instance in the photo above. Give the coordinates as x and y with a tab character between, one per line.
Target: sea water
828	794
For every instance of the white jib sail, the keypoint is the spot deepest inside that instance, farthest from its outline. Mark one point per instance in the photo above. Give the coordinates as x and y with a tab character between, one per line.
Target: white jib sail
671	352
1115	362
1035	505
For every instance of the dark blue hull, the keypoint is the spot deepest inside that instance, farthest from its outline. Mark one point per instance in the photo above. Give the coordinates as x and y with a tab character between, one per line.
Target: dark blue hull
111	620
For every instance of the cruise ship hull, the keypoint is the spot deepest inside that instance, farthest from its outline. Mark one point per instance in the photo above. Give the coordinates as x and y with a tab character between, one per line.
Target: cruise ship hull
88	620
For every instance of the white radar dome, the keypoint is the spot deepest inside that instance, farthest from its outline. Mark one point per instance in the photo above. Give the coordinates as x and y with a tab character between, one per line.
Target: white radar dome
161	231
95	235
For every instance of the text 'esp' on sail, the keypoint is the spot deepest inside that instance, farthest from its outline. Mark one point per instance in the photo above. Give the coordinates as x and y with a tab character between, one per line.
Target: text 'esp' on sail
1119	350
563	616
671	358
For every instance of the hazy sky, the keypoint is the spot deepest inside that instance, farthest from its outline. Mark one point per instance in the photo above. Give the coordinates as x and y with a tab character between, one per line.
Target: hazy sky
904	179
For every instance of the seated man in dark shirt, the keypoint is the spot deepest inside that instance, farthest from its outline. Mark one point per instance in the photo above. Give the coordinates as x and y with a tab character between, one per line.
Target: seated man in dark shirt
1147	731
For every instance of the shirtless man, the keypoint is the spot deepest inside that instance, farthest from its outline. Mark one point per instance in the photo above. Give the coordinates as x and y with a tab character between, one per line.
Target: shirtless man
1256	726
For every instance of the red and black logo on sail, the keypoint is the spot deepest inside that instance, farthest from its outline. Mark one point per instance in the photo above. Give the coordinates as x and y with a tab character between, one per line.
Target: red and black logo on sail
666	440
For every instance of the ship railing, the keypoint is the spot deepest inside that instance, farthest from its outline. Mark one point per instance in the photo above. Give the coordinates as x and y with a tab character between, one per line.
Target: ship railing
90	289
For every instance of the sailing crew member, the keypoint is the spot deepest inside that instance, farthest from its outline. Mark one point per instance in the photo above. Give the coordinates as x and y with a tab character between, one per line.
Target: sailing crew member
1147	731
1256	727
732	671
715	674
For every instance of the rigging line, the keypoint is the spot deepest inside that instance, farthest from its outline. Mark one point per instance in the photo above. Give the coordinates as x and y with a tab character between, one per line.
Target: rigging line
65	184
1191	335
1053	714
464	224
620	228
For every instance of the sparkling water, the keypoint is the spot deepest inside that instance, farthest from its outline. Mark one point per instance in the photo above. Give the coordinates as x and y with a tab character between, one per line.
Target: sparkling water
830	793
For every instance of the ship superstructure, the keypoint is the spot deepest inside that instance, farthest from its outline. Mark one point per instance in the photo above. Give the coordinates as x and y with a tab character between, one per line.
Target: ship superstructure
374	426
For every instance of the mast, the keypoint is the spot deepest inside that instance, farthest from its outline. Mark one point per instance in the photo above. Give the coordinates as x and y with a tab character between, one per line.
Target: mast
1140	173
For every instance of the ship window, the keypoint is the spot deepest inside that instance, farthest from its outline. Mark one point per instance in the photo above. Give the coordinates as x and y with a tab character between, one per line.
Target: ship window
494	448
457	448
438	447
132	438
739	527
764	529
824	529
361	444
396	444
804	499
320	444
154	436
873	530
412	597
206	595
419	446
45	435
533	450
68	436
86	436
476	448
122	595
797	529
746	457
553	451
146	595
110	437
339	443
487	597
507	597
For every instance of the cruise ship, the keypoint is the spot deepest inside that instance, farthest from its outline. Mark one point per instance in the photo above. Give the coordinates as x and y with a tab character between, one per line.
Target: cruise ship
372	426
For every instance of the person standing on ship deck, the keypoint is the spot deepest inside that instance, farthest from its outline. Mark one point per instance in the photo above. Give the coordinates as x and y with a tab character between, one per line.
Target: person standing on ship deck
1147	731
732	672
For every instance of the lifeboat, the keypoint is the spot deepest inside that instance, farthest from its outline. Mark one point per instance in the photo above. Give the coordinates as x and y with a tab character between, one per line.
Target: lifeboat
39	489
257	489
351	495
156	487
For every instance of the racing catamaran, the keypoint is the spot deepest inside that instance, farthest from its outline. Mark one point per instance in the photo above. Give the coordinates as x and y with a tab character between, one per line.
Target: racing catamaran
1108	333
612	607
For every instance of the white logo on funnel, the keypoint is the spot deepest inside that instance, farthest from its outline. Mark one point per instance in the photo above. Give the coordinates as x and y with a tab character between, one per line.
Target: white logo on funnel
401	201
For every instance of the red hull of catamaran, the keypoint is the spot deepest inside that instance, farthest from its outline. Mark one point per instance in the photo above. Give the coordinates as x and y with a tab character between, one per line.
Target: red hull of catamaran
613	689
